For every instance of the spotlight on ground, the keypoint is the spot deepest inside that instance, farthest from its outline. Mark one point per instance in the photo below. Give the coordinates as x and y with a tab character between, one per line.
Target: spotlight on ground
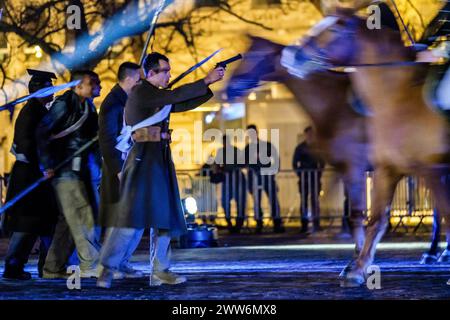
190	208
198	236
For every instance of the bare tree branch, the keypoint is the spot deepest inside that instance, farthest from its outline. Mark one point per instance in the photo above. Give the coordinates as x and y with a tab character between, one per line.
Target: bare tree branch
37	24
234	14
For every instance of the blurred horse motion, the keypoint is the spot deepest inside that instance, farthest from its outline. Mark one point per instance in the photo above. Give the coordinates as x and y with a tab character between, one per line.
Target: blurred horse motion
341	137
407	134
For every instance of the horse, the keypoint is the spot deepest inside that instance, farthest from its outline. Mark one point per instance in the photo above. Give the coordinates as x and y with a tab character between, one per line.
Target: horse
408	136
341	137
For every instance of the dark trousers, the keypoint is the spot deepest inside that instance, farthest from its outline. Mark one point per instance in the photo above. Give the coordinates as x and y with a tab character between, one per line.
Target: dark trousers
309	187
268	184
234	187
20	246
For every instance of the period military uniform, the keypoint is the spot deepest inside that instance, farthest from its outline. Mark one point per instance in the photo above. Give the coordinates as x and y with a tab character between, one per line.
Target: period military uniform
34	215
149	188
116	250
110	126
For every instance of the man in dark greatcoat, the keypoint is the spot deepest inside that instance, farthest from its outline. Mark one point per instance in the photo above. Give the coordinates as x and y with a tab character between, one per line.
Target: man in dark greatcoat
110	126
34	215
149	189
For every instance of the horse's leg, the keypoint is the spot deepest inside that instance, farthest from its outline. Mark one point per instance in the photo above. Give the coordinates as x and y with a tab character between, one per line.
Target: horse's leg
445	256
431	256
355	182
385	181
355	185
436	180
355	193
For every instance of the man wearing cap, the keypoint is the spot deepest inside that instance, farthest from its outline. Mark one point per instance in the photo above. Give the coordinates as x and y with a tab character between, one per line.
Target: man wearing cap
149	191
71	123
35	215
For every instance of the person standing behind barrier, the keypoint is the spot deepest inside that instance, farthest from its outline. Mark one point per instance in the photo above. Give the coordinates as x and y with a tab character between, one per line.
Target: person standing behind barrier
71	123
309	171
257	182
230	160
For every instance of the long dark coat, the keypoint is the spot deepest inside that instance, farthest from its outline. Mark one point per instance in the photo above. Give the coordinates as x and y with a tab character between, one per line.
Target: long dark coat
149	189
37	212
110	125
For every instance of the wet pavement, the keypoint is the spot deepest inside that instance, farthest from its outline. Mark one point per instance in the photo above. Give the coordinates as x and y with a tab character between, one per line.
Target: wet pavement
256	267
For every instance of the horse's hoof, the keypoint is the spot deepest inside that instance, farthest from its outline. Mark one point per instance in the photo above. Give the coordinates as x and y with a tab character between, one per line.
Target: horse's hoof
349	267
444	257
351	277
428	258
352	281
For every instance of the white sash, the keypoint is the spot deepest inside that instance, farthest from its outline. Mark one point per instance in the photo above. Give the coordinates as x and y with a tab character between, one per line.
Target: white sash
124	142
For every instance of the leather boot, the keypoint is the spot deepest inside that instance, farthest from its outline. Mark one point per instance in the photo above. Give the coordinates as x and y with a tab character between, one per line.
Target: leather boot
15	272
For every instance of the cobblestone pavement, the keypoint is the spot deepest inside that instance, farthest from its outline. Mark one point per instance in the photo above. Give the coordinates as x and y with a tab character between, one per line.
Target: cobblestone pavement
270	267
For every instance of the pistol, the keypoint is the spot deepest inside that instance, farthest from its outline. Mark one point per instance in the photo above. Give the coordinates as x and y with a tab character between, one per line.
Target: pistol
224	63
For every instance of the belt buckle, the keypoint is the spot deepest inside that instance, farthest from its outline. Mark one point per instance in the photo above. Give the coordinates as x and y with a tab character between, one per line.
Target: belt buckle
154	133
148	134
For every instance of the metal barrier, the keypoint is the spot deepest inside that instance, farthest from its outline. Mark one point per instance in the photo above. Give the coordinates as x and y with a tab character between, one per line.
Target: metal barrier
411	207
412	204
